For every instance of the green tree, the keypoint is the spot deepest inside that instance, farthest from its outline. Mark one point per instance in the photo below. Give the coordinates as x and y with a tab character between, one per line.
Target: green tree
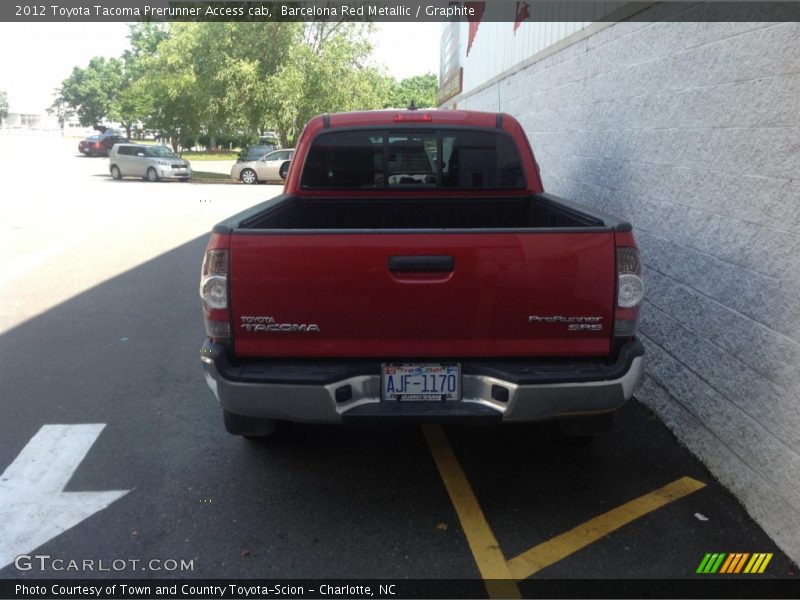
167	89
130	104
327	72
144	39
3	106
259	51
228	80
420	88
226	71
91	92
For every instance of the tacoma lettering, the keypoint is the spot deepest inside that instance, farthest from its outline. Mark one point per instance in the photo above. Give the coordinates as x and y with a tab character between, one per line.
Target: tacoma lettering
268	324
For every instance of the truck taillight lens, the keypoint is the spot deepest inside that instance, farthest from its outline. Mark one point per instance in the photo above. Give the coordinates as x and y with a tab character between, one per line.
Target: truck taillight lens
630	292
218	329
214	293
214	279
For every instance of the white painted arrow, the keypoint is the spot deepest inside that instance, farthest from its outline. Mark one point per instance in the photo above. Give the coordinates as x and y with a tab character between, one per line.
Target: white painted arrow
33	507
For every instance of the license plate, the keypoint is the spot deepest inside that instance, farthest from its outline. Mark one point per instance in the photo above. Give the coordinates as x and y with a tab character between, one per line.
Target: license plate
421	382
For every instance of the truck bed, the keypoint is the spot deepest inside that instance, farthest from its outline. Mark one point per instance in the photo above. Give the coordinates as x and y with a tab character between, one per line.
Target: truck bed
535	211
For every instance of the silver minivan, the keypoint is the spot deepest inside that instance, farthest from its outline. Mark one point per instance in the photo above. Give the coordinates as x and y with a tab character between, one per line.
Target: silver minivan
150	162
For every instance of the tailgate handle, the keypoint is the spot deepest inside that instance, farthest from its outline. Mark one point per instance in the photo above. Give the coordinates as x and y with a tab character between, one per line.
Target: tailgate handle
420	264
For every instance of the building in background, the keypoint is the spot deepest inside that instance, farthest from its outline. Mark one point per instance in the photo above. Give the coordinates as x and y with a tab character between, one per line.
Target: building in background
687	127
22	120
32	118
28	119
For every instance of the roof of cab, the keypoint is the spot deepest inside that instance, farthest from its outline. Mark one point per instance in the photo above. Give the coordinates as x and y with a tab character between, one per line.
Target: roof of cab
420	116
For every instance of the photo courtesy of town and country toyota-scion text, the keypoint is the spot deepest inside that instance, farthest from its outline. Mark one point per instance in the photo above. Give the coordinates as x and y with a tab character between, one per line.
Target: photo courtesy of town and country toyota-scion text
399	299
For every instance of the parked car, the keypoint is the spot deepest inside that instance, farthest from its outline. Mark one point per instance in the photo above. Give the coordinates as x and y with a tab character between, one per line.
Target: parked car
255	152
271	167
100	144
150	162
415	268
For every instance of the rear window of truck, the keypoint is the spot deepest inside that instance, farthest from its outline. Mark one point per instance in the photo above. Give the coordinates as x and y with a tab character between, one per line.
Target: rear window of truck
462	159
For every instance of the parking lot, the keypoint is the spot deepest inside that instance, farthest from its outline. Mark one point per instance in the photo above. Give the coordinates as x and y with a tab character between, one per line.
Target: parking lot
101	324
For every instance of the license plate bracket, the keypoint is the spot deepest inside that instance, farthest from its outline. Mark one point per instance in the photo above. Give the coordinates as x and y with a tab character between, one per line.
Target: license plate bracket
421	382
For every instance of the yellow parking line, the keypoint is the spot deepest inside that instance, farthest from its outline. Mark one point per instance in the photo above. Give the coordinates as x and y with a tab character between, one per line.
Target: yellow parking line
485	549
555	549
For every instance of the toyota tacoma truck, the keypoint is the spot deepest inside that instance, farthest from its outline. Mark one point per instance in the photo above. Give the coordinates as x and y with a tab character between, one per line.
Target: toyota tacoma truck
415	268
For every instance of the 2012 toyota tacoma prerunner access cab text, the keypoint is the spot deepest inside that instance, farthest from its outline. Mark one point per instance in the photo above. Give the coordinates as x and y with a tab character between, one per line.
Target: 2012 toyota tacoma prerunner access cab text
415	268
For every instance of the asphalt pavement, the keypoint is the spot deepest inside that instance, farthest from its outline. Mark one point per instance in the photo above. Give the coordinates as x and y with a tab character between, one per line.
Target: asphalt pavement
101	324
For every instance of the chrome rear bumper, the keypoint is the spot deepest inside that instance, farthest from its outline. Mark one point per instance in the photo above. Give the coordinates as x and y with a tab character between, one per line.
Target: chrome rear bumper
484	396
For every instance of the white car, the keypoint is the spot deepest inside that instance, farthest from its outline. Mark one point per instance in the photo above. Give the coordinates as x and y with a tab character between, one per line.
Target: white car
270	167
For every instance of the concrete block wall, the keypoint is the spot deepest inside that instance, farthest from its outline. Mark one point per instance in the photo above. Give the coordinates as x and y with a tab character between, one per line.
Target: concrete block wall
691	130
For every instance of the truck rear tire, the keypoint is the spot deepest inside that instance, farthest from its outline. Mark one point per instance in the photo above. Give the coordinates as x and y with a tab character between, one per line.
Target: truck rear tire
252	428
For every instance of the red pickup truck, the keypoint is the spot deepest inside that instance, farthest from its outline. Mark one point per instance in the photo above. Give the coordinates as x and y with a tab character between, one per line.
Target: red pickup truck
414	268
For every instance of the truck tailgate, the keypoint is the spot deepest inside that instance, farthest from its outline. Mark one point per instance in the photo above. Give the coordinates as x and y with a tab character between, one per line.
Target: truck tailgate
406	295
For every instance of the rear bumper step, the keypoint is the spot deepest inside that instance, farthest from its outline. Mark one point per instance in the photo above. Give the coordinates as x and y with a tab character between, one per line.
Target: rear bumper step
332	392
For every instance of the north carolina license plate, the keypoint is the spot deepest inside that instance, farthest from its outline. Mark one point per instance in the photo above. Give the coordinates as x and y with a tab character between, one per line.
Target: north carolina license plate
426	382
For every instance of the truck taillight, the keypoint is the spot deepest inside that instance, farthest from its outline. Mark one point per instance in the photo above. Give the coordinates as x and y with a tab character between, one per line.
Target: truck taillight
630	292
214	279
218	330
214	293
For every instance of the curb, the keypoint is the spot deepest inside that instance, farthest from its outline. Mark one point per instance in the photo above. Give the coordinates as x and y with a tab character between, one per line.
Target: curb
216	181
